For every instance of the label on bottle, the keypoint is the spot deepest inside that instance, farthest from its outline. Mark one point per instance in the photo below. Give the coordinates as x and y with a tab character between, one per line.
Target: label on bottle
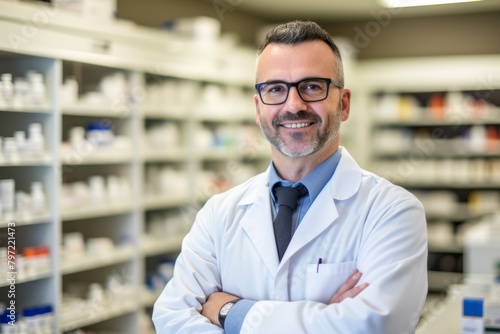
472	325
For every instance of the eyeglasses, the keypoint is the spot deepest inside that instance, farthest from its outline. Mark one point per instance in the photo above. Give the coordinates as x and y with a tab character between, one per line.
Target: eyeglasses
310	90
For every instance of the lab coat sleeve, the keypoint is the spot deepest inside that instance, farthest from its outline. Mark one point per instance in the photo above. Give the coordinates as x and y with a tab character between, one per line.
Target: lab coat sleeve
393	260
178	308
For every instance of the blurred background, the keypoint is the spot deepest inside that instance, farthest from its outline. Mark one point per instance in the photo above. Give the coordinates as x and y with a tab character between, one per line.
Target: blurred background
120	118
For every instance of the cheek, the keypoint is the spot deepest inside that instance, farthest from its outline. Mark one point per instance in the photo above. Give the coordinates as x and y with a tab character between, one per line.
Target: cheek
331	108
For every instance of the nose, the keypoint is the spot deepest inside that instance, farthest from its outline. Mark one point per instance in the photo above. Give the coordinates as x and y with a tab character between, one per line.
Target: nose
294	102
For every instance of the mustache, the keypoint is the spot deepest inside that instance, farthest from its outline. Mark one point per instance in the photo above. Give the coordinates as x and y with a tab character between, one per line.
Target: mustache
299	116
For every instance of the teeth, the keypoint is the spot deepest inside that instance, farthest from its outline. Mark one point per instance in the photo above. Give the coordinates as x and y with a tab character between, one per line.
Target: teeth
296	125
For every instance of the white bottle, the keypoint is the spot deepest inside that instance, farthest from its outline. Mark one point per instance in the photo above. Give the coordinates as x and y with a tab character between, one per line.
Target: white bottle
3	269
22	204
21	93
36	139
492	315
97	190
21	266
77	138
7	193
3	102
46	319
20	137
30	317
8	87
492	304
9	323
10	149
1	149
37	87
38	199
70	91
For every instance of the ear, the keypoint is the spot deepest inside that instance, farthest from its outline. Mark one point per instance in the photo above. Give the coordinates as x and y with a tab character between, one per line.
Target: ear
256	101
345	101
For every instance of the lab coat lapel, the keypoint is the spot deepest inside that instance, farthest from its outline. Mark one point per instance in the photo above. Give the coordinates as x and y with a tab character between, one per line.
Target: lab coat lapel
320	215
323	212
257	223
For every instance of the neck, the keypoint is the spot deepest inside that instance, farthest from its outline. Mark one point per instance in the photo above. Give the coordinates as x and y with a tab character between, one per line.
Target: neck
296	169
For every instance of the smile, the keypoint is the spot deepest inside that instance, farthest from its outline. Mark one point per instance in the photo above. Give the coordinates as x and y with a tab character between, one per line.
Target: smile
296	125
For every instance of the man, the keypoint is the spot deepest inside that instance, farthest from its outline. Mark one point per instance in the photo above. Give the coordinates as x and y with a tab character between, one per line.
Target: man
356	262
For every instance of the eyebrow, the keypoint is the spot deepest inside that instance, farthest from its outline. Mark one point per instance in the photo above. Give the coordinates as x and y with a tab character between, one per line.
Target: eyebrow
278	81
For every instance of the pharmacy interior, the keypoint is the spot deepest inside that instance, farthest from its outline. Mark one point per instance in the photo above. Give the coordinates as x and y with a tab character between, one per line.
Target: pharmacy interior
119	119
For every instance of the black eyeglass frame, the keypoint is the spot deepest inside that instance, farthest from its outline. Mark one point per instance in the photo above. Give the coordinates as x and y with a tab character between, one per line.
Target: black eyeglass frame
296	85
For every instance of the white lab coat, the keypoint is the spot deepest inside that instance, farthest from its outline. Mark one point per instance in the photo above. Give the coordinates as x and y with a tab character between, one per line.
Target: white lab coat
358	220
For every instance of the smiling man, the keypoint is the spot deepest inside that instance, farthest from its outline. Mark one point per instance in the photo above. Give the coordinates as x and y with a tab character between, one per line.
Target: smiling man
315	244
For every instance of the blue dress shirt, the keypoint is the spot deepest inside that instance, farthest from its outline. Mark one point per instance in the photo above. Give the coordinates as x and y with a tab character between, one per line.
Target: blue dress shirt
314	183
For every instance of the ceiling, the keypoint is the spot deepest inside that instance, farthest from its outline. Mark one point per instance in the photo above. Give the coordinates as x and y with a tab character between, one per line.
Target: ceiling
350	9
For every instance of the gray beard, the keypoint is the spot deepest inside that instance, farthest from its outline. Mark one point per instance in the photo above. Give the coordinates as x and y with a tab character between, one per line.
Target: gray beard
319	141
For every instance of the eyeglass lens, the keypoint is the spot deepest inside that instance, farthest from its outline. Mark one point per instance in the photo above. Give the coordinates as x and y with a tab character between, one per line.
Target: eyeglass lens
309	90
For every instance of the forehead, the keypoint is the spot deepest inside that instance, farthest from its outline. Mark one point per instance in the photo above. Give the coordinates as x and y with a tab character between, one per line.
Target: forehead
295	62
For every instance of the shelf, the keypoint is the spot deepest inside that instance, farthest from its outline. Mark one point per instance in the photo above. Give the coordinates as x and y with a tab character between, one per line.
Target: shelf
460	213
166	114
218	154
72	46
95	211
97	157
28	278
118	255
216	117
152	202
441	280
43	160
428	143
231	153
445	248
93	314
434	123
437	154
93	111
33	109
22	220
260	154
165	155
459	184
151	246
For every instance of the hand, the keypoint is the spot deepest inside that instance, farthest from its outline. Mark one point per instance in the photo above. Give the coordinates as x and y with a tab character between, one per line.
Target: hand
213	304
348	289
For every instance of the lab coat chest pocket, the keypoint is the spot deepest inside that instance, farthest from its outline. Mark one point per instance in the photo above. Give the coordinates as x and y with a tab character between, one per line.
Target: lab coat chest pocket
324	279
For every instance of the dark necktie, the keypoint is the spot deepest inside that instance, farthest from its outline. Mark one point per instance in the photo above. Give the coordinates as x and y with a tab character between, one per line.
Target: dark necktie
287	203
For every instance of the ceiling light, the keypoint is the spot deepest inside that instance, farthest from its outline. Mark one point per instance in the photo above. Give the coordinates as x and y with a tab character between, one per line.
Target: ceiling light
414	3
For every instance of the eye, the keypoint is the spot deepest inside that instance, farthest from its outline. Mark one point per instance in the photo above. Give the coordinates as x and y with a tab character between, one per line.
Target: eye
312	86
275	88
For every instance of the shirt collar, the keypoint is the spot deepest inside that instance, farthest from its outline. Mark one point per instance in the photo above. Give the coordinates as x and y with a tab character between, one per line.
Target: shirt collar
314	182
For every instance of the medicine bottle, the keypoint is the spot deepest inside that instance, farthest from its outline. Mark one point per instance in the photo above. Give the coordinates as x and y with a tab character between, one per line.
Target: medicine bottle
8	87
472	316
36	139
38	201
38	89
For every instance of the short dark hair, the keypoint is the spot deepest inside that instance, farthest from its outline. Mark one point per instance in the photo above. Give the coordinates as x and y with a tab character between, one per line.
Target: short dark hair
296	32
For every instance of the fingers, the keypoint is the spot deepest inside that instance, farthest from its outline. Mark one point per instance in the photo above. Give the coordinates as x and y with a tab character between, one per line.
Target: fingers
210	309
354	291
349	288
350	283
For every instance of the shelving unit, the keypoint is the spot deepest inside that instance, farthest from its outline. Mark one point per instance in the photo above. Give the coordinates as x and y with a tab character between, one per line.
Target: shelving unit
435	128
119	239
